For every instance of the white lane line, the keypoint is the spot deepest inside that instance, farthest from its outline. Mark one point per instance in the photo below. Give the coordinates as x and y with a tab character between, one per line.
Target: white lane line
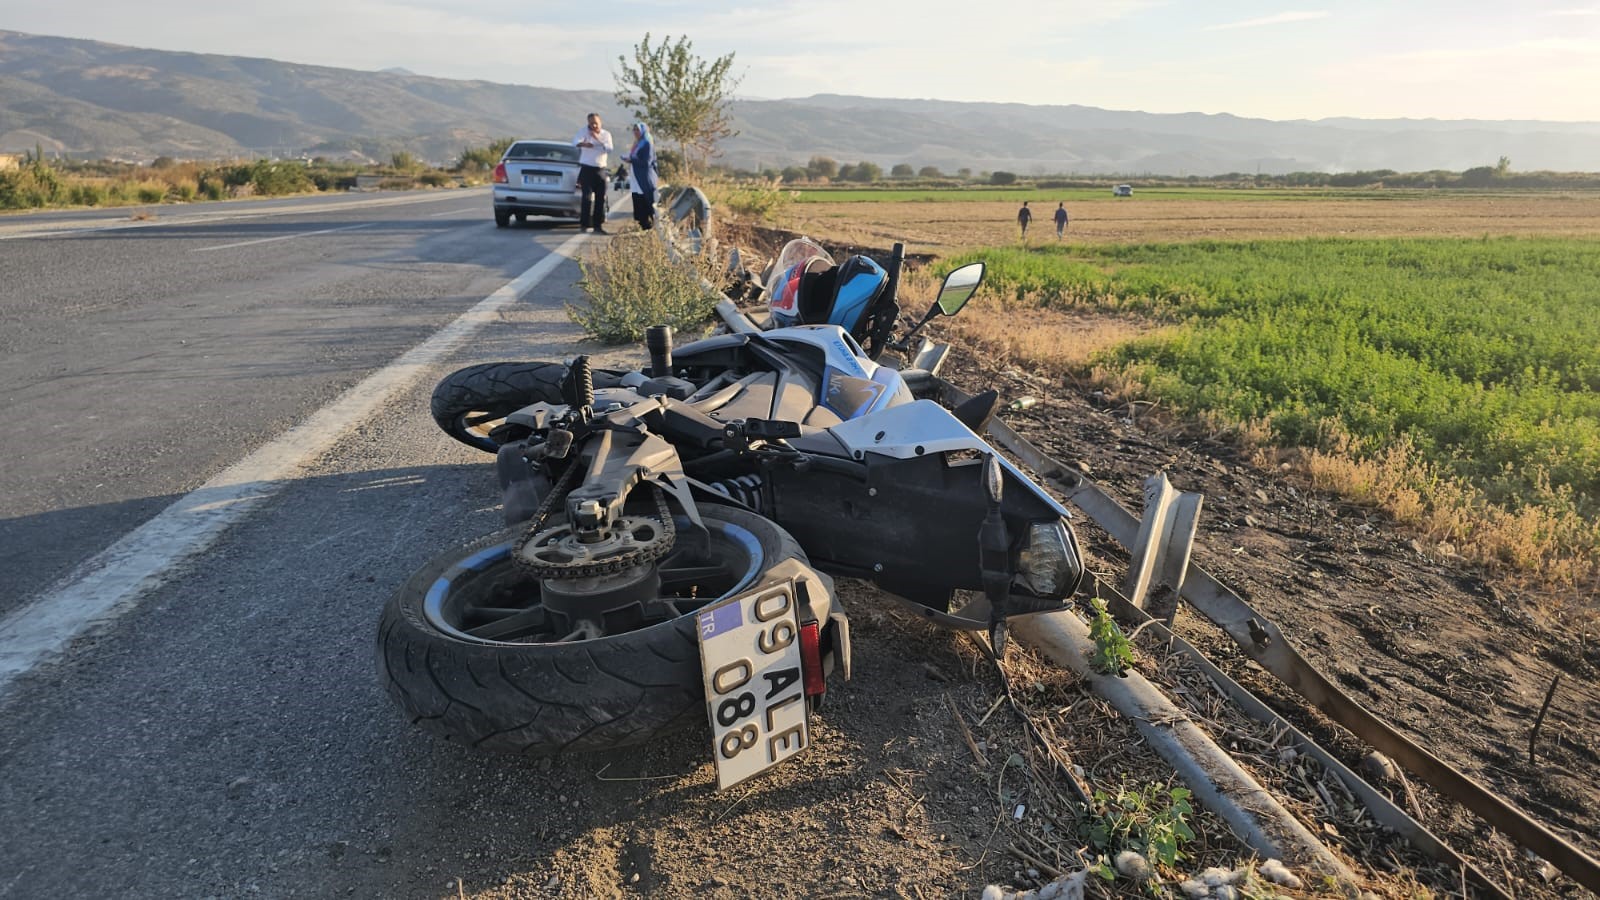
114	580
182	215
281	237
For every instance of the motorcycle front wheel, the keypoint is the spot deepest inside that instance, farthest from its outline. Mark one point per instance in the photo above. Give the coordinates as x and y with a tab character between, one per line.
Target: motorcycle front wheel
469	652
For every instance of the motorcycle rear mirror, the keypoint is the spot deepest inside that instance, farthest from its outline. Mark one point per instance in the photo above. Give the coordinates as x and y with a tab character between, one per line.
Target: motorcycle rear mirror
958	288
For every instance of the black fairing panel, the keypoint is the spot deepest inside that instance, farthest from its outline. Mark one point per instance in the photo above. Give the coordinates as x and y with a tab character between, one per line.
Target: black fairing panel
721	352
715	343
916	518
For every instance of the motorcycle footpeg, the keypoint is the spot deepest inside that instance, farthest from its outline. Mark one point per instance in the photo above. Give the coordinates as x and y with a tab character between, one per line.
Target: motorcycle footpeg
737	436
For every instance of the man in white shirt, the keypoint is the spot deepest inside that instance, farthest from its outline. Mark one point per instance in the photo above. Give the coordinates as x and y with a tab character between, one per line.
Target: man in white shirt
594	149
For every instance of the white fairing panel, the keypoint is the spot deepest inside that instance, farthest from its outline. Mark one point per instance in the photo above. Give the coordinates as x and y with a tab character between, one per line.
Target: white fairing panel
841	350
843	353
911	429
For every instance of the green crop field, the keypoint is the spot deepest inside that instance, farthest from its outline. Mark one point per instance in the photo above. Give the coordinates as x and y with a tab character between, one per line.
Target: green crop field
1485	354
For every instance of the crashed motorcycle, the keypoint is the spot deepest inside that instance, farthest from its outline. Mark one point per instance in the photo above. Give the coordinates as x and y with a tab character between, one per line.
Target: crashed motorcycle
674	532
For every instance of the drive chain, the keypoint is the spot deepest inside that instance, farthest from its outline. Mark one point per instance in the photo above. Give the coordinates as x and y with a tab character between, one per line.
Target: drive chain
622	561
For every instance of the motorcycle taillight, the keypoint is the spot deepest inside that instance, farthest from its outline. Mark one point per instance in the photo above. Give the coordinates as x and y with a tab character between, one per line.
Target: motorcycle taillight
500	174
811	659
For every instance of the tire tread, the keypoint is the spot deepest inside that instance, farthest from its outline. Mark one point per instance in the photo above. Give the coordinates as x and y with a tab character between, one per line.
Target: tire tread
542	699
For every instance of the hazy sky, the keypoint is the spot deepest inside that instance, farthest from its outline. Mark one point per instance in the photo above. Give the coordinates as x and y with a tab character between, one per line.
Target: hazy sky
1486	59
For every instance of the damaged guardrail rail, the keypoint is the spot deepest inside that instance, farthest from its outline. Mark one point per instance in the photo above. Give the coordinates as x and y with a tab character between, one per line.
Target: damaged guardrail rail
1262	642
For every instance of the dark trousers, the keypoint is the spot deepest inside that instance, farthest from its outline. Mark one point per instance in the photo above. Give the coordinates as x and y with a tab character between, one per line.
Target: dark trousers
644	210
592	209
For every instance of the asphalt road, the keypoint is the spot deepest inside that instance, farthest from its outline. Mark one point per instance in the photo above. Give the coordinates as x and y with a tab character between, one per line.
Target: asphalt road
225	734
138	358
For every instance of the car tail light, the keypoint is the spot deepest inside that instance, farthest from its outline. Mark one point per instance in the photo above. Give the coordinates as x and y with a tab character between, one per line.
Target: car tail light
500	174
811	659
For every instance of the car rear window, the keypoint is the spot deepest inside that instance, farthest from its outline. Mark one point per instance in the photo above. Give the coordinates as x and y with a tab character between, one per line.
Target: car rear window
543	150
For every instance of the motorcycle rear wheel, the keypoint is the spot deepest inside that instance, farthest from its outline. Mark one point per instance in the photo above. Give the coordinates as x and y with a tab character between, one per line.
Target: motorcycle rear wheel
532	693
468	403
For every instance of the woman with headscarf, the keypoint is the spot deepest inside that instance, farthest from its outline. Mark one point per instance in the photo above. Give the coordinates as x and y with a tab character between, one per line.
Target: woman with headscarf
642	176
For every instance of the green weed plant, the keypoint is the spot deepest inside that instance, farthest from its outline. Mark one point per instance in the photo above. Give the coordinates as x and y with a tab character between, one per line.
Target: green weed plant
1150	819
633	283
1113	652
756	199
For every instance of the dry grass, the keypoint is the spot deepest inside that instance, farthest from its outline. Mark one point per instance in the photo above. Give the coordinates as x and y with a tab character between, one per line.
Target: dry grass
1545	544
1059	342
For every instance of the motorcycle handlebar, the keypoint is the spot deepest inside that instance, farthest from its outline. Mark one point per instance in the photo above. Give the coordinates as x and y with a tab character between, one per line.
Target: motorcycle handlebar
897	256
736	321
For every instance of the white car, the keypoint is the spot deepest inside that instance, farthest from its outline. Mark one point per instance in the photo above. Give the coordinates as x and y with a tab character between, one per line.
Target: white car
536	178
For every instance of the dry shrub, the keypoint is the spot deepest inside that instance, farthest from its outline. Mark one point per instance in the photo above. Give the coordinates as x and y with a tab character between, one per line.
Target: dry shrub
634	283
1385	480
1052	341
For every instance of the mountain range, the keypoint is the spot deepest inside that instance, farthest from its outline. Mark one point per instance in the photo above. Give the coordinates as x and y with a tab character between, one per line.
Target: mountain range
96	100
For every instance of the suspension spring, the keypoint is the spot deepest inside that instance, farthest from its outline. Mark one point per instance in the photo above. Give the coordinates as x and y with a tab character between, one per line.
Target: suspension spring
582	383
744	489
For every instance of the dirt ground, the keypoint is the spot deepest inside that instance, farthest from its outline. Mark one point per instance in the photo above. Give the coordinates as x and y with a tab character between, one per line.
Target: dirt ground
1456	662
892	801
944	227
919	764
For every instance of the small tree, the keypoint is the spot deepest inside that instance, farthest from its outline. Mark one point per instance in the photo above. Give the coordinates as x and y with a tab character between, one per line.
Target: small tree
901	170
475	159
964	172
863	171
930	172
1003	178
683	97
822	167
792	174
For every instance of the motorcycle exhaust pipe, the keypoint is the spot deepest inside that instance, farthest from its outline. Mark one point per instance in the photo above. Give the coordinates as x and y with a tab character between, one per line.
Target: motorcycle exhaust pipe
658	339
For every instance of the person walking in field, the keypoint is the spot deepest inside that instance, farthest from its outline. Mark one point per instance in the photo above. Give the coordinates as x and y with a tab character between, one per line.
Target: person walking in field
1061	219
1024	216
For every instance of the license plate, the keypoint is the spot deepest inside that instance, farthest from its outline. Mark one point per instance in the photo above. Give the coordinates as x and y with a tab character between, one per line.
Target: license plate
541	179
755	692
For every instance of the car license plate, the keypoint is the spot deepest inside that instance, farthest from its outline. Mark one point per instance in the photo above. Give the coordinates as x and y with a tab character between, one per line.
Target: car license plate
755	693
541	179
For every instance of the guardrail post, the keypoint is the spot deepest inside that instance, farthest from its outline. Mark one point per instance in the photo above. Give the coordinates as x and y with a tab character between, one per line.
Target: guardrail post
1161	551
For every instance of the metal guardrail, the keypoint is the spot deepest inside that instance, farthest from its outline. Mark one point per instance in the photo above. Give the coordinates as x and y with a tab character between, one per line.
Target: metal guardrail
1173	520
1261	640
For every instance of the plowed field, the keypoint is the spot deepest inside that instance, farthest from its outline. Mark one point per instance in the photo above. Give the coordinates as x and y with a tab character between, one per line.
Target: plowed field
945	226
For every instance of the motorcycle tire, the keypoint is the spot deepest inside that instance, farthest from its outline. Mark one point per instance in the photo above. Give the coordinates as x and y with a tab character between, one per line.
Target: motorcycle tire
468	403
561	696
